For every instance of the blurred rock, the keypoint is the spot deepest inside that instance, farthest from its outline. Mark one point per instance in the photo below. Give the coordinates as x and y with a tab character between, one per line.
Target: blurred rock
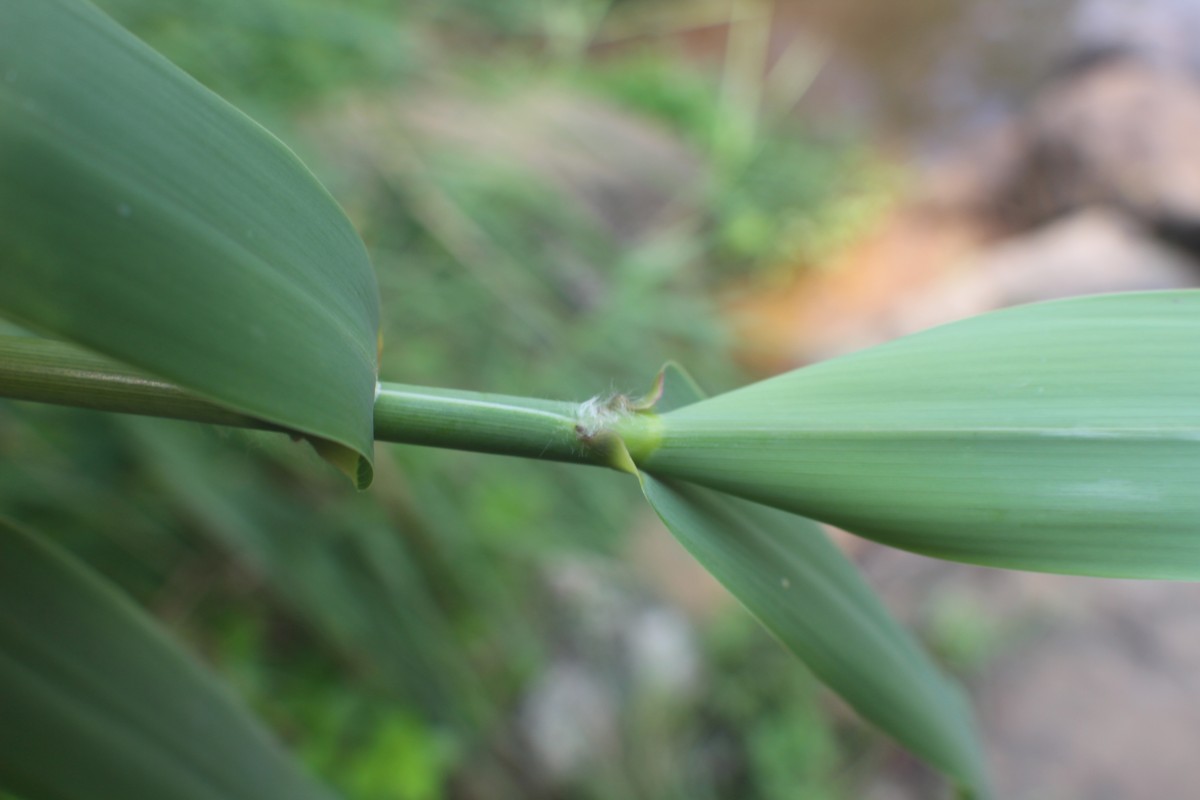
593	603
608	621
848	304
1090	252
569	720
920	271
664	659
1101	705
1112	130
1123	133
1162	31
1086	687
618	654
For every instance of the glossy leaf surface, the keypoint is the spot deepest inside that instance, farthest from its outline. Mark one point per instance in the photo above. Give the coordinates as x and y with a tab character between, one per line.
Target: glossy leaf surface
1062	437
150	221
97	702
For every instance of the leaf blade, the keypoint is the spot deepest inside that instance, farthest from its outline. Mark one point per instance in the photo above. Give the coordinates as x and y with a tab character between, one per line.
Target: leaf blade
787	573
1057	437
148	220
98	702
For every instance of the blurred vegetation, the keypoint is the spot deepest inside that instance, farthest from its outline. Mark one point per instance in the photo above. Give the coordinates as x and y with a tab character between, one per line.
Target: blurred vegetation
543	220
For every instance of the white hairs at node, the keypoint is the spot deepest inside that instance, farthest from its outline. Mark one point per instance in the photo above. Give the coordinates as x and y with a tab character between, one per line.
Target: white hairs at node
598	413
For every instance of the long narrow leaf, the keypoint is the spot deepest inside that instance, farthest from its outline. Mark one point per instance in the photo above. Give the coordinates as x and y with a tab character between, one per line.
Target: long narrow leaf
1062	437
799	585
789	575
144	217
96	702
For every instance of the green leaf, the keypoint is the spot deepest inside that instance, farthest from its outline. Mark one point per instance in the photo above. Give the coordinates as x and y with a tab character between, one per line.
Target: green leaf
97	702
147	219
789	575
799	585
676	389
1062	437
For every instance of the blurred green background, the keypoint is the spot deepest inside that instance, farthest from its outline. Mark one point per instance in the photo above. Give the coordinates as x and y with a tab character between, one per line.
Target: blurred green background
557	198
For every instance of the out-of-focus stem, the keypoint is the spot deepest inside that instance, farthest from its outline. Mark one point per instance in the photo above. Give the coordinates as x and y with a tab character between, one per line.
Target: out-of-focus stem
46	371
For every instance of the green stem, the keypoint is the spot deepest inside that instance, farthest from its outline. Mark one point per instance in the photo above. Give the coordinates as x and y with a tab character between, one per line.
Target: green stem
46	371
485	423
